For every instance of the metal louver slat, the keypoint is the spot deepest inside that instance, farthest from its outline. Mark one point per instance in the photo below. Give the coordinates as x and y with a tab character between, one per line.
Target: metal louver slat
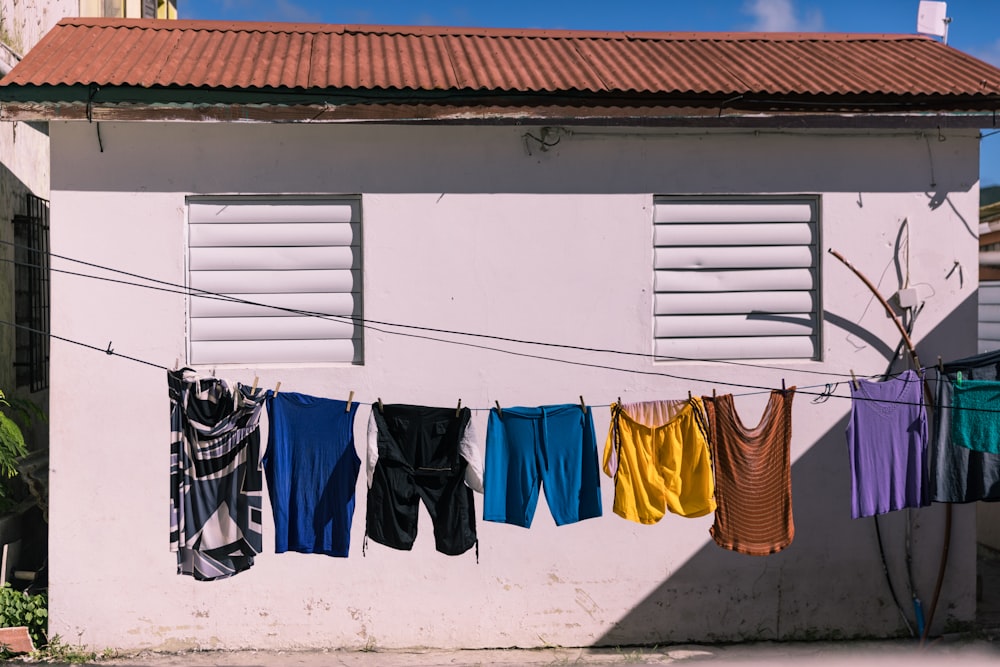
277	282
274	351
768	347
273	305
277	258
751	280
733	257
799	233
722	303
274	234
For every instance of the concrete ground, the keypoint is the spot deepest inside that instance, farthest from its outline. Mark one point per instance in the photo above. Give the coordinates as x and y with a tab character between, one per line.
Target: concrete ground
969	652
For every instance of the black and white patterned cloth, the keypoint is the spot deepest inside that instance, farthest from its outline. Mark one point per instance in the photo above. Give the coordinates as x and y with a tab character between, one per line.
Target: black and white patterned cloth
215	475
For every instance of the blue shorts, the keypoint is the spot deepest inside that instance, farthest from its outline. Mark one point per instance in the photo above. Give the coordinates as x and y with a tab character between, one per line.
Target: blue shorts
552	445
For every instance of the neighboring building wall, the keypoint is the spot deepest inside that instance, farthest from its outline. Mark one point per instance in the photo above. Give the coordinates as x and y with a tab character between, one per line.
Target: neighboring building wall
465	230
988	514
129	9
24	155
989	316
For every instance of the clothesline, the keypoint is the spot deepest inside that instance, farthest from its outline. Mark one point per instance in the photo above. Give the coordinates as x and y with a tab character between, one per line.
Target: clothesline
805	390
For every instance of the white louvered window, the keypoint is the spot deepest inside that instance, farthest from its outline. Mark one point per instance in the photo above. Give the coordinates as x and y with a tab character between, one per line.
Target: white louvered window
286	263
736	278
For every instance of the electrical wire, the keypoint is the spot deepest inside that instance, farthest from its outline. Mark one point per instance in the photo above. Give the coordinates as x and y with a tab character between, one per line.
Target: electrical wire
365	322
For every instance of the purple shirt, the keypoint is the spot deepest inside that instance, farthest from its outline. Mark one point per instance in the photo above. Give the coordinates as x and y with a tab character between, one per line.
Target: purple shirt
887	441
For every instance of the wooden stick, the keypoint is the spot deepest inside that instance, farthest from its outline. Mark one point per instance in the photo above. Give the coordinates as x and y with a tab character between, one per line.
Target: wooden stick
895	320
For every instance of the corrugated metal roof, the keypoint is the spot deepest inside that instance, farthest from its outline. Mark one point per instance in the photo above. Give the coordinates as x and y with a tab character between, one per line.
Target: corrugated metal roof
312	57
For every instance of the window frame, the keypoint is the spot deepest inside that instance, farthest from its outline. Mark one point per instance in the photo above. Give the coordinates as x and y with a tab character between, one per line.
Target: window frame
308	287
722	261
32	295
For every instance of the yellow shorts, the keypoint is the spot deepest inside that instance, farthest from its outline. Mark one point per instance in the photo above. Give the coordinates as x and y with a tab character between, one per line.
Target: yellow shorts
658	454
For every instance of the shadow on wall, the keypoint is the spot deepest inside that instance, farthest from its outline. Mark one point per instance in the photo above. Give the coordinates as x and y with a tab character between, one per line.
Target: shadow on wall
829	583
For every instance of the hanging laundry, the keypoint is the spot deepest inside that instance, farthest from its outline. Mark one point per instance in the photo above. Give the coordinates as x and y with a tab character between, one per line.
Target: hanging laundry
975	419
753	482
419	458
552	446
215	478
959	474
887	441
312	469
657	453
468	449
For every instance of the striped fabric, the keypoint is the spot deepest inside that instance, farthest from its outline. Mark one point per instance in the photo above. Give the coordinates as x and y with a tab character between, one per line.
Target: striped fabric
215	475
753	481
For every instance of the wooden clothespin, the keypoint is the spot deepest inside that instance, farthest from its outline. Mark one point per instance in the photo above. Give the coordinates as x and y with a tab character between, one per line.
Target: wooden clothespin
499	409
381	408
253	389
350	399
854	380
458	409
277	386
583	404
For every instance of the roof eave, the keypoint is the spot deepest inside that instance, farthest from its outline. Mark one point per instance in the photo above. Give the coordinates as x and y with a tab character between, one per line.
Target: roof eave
138	103
652	116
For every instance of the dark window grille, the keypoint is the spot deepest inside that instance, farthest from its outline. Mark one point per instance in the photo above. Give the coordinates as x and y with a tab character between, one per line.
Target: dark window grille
31	294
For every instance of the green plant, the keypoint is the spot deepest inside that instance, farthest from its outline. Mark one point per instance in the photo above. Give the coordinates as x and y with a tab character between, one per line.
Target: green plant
67	654
15	414
12	445
31	611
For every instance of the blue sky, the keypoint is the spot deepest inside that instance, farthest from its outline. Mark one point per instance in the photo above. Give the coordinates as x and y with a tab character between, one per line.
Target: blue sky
975	26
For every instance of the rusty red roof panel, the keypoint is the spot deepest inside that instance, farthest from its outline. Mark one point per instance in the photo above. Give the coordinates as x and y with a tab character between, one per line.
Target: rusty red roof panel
247	56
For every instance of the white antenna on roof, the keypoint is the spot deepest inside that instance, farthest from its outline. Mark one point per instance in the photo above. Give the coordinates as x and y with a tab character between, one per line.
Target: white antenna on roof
932	19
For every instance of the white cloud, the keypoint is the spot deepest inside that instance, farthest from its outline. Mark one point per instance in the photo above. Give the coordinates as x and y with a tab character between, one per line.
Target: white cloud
990	53
781	16
290	11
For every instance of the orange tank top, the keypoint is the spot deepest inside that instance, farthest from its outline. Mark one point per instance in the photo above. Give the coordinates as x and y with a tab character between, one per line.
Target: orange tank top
753	481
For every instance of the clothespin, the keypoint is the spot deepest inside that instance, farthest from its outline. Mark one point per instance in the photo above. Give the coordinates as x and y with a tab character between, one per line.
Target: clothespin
350	399
177	362
253	389
381	408
583	405
277	386
689	394
958	379
854	380
783	390
713	392
109	351
940	366
458	409
619	400
499	409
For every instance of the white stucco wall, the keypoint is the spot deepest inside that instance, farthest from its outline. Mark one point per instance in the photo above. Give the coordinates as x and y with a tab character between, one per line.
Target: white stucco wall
464	230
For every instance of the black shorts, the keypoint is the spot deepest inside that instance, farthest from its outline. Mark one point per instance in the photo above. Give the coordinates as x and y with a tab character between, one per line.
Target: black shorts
419	459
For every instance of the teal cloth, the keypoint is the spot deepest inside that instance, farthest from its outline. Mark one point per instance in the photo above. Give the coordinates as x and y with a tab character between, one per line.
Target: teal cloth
975	418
